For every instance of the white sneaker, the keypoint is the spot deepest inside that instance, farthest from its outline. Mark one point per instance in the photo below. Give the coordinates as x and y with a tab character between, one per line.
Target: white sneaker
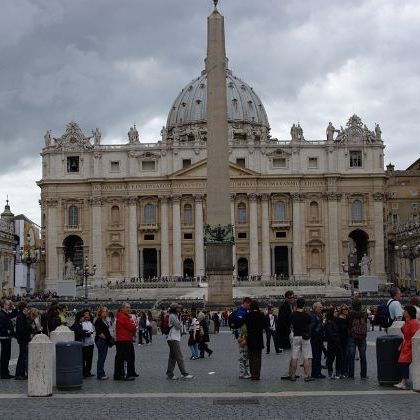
172	378
187	377
244	376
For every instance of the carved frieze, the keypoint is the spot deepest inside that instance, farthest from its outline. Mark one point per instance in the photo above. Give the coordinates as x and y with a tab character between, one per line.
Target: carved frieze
73	139
51	202
378	196
96	201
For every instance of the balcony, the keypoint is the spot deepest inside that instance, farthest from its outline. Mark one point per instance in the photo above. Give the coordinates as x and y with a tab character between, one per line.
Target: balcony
149	227
72	228
284	224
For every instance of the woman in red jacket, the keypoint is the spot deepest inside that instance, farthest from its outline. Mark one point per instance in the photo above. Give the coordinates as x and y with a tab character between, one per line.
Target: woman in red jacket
409	329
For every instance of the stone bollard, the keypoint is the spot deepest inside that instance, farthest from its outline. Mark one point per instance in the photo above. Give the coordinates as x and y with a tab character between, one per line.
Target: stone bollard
40	367
415	364
61	334
395	328
154	327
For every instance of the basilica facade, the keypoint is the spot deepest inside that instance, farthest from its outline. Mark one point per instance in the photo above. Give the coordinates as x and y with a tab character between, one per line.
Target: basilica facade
301	209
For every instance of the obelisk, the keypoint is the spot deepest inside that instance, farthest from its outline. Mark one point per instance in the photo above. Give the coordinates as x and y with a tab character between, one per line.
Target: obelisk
218	237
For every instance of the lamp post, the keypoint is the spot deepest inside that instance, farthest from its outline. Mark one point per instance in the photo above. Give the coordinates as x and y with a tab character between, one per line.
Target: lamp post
409	252
86	274
33	256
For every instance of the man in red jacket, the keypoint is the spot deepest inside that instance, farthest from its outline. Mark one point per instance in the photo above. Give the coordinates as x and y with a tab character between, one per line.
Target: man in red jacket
125	329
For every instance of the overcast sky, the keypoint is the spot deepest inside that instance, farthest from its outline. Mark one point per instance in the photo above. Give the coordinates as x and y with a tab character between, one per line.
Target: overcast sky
109	64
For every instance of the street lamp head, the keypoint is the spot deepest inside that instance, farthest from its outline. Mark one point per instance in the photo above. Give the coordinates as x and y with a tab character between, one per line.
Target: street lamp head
396	248
404	247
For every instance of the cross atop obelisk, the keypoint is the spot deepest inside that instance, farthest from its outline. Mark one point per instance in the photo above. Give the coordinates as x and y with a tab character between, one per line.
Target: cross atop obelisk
218	230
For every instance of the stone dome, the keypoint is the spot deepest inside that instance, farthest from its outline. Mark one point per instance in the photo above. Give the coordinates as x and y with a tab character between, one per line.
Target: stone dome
244	105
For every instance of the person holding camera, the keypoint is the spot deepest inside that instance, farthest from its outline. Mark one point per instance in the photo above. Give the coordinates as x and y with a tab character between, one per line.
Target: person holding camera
173	340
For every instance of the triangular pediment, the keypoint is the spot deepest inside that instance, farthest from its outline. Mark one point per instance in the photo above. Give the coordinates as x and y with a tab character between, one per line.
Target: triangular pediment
199	170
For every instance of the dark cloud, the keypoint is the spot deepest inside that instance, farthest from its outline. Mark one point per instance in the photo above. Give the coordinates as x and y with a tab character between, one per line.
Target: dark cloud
109	64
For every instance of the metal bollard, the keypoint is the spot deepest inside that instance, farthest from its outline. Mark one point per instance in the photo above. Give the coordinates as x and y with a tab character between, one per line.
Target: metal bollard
40	368
61	334
415	364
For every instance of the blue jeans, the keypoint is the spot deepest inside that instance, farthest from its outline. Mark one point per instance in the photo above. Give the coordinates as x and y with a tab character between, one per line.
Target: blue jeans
194	350
351	352
102	346
316	345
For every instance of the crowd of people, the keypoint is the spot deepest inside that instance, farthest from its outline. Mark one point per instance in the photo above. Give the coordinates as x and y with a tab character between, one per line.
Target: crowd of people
337	332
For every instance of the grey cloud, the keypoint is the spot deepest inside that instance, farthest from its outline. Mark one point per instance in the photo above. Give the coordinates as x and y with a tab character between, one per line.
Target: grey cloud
110	64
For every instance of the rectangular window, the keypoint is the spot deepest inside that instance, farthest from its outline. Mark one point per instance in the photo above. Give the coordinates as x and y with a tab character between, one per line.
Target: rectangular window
149	237
240	162
279	163
115	166
313	163
188	236
148	165
186	163
73	164
355	159
394	206
280	234
242	235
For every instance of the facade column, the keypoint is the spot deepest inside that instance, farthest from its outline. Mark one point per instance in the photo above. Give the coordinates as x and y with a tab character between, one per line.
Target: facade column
378	223
333	243
253	235
164	237
133	253
51	252
199	236
176	236
265	236
232	221
96	204
297	236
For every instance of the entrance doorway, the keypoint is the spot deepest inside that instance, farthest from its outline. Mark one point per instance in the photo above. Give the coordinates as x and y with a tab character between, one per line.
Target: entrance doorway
188	268
281	261
73	250
150	268
242	269
358	246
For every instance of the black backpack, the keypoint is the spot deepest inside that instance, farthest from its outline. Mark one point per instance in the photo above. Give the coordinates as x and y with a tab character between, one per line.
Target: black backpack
383	317
234	321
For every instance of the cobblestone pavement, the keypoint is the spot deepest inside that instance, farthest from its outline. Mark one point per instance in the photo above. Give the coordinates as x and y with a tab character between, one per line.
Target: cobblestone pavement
344	407
217	379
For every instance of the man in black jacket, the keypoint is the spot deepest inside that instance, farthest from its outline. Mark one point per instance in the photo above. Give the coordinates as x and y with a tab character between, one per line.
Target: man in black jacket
7	313
284	320
317	339
271	332
23	336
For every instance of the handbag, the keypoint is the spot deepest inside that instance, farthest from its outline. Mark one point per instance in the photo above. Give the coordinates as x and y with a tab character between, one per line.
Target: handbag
111	342
241	341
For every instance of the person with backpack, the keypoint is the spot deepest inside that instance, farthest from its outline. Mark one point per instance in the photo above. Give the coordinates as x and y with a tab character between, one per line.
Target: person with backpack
235	321
391	311
357	322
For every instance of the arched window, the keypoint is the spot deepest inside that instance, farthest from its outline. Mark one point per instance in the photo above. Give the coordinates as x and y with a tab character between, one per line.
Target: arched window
188	216
315	259
314	211
73	216
115	215
149	214
242	216
279	211
357	211
115	262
